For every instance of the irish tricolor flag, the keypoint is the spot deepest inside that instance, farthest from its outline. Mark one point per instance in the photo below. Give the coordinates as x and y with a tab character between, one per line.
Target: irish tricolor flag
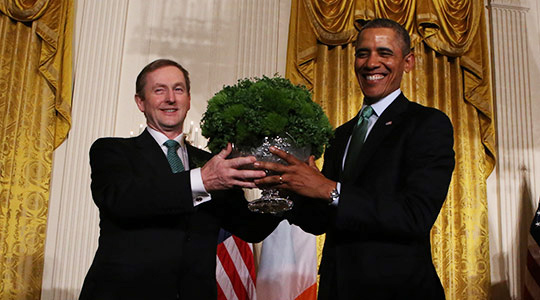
288	265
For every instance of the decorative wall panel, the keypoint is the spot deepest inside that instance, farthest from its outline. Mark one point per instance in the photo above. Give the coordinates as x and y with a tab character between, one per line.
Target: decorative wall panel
73	219
515	169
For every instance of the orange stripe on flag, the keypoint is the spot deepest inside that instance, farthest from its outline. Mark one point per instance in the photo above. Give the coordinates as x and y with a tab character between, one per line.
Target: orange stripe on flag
309	294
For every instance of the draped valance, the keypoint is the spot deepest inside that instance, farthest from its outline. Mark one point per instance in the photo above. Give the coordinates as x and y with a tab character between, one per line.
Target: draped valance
449	27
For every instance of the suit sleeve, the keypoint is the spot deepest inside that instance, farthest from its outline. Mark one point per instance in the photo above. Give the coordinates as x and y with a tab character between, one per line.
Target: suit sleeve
231	207
124	188
313	215
406	203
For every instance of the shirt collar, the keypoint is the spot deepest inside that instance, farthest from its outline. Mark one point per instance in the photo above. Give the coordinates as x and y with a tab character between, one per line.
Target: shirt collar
161	138
380	106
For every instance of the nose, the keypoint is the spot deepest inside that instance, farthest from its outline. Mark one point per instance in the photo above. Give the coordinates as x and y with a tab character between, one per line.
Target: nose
372	61
170	96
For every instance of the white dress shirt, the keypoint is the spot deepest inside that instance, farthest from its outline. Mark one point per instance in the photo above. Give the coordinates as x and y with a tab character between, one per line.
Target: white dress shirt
198	192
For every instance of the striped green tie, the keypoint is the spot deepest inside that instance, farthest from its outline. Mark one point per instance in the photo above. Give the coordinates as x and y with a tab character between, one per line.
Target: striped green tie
357	141
172	156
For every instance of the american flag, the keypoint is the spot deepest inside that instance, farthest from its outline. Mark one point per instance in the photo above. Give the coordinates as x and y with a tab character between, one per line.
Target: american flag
235	272
532	274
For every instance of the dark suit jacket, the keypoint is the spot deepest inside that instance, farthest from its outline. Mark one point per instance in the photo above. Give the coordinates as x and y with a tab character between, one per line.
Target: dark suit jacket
153	243
378	237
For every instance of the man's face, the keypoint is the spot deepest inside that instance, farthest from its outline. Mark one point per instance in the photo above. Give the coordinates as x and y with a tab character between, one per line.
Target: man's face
380	63
166	100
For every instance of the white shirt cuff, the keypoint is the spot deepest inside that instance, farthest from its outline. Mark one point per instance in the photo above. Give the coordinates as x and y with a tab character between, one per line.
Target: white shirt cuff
198	192
338	188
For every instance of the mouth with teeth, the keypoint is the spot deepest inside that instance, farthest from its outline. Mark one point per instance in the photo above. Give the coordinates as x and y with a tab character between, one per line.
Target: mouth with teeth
374	77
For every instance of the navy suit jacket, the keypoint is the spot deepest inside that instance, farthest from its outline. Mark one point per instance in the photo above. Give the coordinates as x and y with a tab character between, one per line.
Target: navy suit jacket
378	237
154	243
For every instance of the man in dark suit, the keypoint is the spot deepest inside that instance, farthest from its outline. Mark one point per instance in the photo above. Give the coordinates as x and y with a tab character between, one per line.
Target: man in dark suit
160	211
385	178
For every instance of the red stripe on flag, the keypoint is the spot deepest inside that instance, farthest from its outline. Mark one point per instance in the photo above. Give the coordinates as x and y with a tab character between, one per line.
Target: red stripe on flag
232	272
247	256
533	267
220	293
527	295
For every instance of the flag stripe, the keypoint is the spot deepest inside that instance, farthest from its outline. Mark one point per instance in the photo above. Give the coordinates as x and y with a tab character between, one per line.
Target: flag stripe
235	270
527	295
533	267
247	256
288	265
220	293
532	290
243	271
228	266
309	294
224	283
531	286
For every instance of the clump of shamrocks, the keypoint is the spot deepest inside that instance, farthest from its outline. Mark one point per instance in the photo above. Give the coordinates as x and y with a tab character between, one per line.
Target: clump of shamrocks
254	108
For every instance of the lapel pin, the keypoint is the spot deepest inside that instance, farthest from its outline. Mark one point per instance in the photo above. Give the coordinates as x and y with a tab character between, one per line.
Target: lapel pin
388	123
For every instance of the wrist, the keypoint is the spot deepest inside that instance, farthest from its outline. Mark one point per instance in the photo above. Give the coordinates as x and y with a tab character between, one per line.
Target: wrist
333	193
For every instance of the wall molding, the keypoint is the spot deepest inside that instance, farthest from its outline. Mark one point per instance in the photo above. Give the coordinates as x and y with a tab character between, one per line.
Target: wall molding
515	169
73	218
509	4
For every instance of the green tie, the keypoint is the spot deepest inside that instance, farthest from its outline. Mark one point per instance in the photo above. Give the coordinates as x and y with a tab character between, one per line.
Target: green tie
357	140
172	156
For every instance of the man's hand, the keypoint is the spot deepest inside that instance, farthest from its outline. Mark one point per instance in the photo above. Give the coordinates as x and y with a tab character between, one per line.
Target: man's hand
298	177
221	173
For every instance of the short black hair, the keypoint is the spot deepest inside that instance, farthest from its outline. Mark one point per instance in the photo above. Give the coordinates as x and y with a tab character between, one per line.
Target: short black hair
400	31
157	64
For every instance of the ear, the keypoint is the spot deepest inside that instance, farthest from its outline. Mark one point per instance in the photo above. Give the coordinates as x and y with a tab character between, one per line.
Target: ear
188	104
409	62
140	103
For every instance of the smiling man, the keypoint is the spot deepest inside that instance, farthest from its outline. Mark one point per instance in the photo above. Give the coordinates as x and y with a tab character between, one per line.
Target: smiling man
385	178
160	213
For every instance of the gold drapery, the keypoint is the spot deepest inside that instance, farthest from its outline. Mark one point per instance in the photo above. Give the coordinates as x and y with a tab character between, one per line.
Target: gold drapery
35	105
452	73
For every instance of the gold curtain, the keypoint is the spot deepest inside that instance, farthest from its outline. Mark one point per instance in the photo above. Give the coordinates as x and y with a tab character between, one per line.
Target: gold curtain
452	73
35	104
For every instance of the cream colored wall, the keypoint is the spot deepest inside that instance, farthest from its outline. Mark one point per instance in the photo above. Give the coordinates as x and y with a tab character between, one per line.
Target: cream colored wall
217	41
513	188
534	54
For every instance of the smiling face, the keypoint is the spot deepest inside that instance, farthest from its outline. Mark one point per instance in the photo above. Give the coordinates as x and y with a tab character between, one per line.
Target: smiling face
165	100
380	63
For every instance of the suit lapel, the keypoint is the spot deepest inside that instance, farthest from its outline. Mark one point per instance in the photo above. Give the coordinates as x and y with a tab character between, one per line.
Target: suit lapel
390	118
197	157
339	144
343	138
192	156
152	152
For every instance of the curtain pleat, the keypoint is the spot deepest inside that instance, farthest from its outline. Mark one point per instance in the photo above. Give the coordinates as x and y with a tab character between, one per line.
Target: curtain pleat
35	101
335	80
